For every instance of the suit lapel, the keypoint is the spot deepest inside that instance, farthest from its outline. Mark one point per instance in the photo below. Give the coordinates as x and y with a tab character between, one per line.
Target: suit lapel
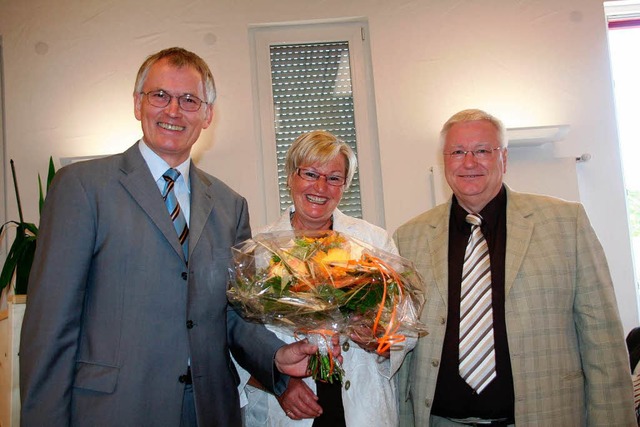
137	180
519	231
438	235
201	205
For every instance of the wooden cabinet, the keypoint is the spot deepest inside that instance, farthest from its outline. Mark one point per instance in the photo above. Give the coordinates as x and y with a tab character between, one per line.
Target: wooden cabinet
10	326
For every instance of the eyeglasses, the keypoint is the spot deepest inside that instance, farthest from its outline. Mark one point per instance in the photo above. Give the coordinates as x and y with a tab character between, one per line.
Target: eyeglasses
480	153
160	99
310	175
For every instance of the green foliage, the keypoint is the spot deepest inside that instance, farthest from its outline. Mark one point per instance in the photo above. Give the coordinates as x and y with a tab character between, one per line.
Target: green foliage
20	256
633	206
365	299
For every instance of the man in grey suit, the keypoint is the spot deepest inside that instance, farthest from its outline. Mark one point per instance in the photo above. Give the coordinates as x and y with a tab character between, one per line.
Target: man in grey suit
127	322
547	347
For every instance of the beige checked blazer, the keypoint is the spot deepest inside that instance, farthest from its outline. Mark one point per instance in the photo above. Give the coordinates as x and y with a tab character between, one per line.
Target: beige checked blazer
567	350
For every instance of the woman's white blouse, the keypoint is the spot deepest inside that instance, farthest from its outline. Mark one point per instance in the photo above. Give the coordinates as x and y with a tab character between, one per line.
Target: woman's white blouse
368	387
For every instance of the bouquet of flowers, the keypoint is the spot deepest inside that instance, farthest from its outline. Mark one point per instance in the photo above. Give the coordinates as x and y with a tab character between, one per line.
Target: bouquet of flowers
319	283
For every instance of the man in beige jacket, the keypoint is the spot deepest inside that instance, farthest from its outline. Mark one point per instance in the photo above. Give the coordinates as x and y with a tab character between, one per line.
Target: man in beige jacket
556	346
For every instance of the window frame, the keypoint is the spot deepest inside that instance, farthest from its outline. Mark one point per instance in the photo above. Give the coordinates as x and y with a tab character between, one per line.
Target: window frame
353	31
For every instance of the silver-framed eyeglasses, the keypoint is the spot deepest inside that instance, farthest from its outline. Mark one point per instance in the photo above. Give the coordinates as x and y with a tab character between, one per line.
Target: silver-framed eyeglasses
311	175
478	153
160	99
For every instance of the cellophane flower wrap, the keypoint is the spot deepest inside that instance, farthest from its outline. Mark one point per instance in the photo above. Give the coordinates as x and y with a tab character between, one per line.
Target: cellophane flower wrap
319	283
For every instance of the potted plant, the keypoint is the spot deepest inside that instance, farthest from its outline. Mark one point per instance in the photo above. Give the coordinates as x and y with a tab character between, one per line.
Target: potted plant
20	255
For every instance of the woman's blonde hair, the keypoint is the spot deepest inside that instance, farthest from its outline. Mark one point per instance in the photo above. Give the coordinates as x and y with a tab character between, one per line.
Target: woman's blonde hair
319	146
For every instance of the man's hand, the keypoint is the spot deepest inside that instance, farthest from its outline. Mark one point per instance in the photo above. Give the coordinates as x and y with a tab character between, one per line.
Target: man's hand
298	401
292	359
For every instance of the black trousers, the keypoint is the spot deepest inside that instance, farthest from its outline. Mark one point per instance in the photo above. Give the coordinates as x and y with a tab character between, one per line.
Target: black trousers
330	398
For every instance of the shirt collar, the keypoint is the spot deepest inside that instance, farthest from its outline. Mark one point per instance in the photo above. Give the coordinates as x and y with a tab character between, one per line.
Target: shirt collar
158	166
489	213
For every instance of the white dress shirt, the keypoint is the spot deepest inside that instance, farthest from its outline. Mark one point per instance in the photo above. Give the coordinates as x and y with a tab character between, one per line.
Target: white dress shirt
158	167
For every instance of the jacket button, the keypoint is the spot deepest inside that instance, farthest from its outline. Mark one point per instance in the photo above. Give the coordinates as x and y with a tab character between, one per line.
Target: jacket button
184	275
189	324
427	403
345	346
435	363
347	385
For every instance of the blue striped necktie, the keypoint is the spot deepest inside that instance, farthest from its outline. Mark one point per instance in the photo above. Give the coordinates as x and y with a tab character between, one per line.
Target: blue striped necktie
477	353
177	216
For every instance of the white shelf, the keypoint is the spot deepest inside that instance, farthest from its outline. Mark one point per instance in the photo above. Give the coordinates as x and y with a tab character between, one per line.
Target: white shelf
536	135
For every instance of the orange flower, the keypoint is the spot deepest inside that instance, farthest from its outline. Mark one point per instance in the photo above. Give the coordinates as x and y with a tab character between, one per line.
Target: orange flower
336	256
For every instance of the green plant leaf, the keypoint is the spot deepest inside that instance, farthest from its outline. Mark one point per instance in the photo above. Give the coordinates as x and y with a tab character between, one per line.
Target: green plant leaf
20	256
31	228
51	173
9	265
23	267
41	198
7	224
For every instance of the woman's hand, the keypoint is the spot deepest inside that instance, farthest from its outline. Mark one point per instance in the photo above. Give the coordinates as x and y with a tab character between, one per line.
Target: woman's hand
298	401
363	336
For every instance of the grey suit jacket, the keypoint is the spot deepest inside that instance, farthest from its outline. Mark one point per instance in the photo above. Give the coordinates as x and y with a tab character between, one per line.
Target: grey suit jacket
566	343
114	314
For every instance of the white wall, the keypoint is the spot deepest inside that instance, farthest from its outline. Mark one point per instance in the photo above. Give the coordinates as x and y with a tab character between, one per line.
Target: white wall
3	208
70	67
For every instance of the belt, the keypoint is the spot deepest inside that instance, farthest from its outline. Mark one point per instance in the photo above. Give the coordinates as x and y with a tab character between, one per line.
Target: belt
480	422
186	378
